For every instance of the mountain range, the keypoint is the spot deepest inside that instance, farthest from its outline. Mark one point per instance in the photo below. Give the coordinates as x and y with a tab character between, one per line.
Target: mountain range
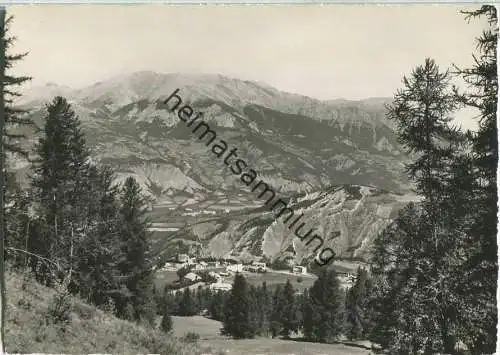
302	147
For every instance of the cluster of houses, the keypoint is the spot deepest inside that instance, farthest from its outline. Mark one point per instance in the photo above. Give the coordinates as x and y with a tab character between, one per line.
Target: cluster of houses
220	270
217	285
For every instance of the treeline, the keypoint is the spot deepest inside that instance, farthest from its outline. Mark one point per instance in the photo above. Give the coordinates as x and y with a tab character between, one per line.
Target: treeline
323	313
76	229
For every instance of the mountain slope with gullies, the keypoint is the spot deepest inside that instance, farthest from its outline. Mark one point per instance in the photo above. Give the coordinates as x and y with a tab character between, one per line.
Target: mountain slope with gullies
297	143
358	213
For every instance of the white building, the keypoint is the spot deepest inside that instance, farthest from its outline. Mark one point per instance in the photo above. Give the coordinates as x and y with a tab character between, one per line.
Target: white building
192	277
260	266
235	268
299	269
221	286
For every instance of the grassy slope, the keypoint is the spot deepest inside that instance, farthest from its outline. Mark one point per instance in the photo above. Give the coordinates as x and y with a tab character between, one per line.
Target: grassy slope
209	331
90	331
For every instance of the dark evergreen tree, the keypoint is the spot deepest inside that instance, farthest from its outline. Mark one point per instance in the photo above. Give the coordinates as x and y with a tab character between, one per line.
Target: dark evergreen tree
479	272
177	298
265	310
323	319
357	319
289	311
170	302
237	317
17	123
200	299
216	308
302	302
276	324
255	309
58	181
136	248
187	305
98	275
392	265
424	253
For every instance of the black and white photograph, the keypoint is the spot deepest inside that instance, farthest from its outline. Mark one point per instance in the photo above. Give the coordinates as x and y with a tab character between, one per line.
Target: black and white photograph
208	179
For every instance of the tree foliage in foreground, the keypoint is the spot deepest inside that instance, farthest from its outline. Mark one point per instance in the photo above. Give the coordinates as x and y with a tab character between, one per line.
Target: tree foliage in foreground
435	267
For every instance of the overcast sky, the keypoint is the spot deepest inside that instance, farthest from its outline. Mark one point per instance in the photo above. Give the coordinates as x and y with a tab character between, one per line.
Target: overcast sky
327	52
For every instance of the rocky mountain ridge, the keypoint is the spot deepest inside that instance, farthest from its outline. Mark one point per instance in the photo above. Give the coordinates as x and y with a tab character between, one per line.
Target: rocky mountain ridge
298	142
298	145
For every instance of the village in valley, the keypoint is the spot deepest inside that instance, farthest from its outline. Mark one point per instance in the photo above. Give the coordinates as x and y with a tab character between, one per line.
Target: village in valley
186	271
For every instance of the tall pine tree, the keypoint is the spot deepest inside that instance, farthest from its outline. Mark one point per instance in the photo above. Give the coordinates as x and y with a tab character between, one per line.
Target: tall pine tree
237	314
323	318
424	256
135	240
357	318
289	311
58	183
479	271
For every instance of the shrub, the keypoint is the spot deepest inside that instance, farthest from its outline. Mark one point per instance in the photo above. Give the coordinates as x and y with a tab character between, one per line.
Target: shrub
166	323
190	337
60	305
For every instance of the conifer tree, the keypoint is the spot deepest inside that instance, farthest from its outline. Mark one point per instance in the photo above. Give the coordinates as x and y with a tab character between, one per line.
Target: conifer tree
289	316
255	309
16	119
424	254
187	305
15	124
356	307
58	182
323	319
265	309
479	272
98	275
216	308
168	301
136	248
302	302
237	317
276	321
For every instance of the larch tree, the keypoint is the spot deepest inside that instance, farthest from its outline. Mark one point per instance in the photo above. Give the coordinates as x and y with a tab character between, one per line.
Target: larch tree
423	111
479	270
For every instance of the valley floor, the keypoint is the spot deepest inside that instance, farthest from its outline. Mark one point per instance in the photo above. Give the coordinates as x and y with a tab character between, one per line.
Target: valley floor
210	338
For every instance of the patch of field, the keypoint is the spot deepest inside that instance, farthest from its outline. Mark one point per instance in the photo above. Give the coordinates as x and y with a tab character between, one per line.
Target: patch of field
209	331
206	328
267	346
165	277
